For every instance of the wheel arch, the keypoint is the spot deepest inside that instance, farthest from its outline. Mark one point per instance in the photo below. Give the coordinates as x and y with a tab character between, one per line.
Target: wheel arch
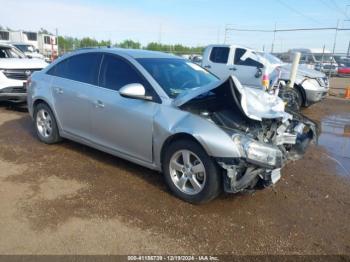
41	100
176	137
301	90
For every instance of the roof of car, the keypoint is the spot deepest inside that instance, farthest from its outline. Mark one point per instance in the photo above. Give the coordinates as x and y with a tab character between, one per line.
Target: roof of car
134	53
230	46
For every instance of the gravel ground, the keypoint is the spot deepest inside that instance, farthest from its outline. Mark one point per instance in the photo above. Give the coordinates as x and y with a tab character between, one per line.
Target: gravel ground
71	199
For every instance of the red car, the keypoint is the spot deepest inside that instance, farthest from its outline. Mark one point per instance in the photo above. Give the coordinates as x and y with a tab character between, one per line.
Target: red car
344	69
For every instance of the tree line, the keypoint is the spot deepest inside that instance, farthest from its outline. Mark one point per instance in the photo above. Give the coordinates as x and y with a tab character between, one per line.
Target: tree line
66	44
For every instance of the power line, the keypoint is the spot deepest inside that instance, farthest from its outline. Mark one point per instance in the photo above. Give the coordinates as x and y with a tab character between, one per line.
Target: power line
339	9
297	11
335	7
287	29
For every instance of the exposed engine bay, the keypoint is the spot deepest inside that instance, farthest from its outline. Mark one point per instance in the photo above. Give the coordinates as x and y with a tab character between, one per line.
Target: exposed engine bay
282	136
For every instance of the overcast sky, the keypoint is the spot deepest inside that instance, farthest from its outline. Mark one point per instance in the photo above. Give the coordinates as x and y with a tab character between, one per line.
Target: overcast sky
190	22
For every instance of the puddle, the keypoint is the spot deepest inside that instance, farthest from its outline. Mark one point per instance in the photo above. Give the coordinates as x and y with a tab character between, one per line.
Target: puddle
335	137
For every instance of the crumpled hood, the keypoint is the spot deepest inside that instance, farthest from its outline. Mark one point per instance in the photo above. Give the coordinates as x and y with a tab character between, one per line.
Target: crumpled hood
22	63
255	103
303	71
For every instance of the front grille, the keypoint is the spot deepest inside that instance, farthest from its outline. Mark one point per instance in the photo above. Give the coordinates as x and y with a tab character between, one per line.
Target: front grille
19	74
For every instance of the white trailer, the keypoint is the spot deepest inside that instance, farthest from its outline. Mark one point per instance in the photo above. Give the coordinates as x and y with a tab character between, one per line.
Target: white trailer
4	36
26	37
47	45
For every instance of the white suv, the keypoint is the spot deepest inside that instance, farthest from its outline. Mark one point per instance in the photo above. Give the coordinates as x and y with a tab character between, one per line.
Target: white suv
15	69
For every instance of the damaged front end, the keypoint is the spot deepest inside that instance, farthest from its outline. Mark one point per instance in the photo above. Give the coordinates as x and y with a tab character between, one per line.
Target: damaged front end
266	136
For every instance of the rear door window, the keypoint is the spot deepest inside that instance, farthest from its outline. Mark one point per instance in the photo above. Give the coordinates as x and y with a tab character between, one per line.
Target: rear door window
83	68
219	55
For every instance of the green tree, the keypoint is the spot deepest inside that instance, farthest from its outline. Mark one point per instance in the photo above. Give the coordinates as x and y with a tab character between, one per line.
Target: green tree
129	44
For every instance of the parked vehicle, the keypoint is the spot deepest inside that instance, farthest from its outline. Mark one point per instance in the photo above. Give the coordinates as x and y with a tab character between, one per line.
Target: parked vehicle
344	65
45	44
321	59
15	68
344	70
28	50
311	86
257	69
168	114
197	59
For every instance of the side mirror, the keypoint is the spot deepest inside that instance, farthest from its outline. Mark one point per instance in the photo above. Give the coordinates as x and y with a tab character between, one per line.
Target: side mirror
135	90
258	73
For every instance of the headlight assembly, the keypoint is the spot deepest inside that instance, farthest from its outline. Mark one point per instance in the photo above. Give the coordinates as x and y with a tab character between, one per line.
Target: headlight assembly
258	153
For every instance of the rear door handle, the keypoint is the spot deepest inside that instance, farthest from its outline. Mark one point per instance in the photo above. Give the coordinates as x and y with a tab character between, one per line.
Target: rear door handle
207	66
58	90
99	104
233	68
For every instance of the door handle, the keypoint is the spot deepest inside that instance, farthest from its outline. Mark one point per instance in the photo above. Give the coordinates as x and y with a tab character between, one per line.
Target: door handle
99	104
232	68
207	66
58	90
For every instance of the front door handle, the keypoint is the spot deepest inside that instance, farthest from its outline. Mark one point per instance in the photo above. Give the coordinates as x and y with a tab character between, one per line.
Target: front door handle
99	104
233	68
58	90
207	66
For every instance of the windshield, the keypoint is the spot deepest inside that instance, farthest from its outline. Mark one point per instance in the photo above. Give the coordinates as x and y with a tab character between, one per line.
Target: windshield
8	52
176	75
271	58
26	48
327	58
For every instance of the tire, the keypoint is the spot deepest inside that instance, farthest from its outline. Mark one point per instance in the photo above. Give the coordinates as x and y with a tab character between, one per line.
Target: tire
292	97
197	186
298	98
46	125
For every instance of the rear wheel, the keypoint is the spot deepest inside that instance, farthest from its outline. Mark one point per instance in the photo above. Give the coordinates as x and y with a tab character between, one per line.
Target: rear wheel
45	124
190	173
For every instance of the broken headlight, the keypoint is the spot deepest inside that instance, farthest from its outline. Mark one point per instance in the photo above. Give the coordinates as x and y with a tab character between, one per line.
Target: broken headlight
258	153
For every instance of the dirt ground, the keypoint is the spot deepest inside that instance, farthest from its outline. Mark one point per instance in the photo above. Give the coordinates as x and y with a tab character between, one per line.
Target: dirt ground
338	85
71	199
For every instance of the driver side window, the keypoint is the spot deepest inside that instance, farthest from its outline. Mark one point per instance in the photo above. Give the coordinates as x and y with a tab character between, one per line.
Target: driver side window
116	73
247	62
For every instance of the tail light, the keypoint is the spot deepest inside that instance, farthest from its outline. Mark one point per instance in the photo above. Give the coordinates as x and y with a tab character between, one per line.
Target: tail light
265	81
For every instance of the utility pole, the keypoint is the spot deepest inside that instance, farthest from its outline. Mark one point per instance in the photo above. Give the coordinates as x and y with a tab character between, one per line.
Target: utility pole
274	38
334	45
160	34
58	48
218	35
226	31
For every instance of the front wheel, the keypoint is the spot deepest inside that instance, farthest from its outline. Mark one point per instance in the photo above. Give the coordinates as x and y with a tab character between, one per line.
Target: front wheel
292	98
190	173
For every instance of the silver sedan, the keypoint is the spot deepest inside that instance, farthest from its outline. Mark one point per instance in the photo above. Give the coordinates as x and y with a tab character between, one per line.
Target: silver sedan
168	114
